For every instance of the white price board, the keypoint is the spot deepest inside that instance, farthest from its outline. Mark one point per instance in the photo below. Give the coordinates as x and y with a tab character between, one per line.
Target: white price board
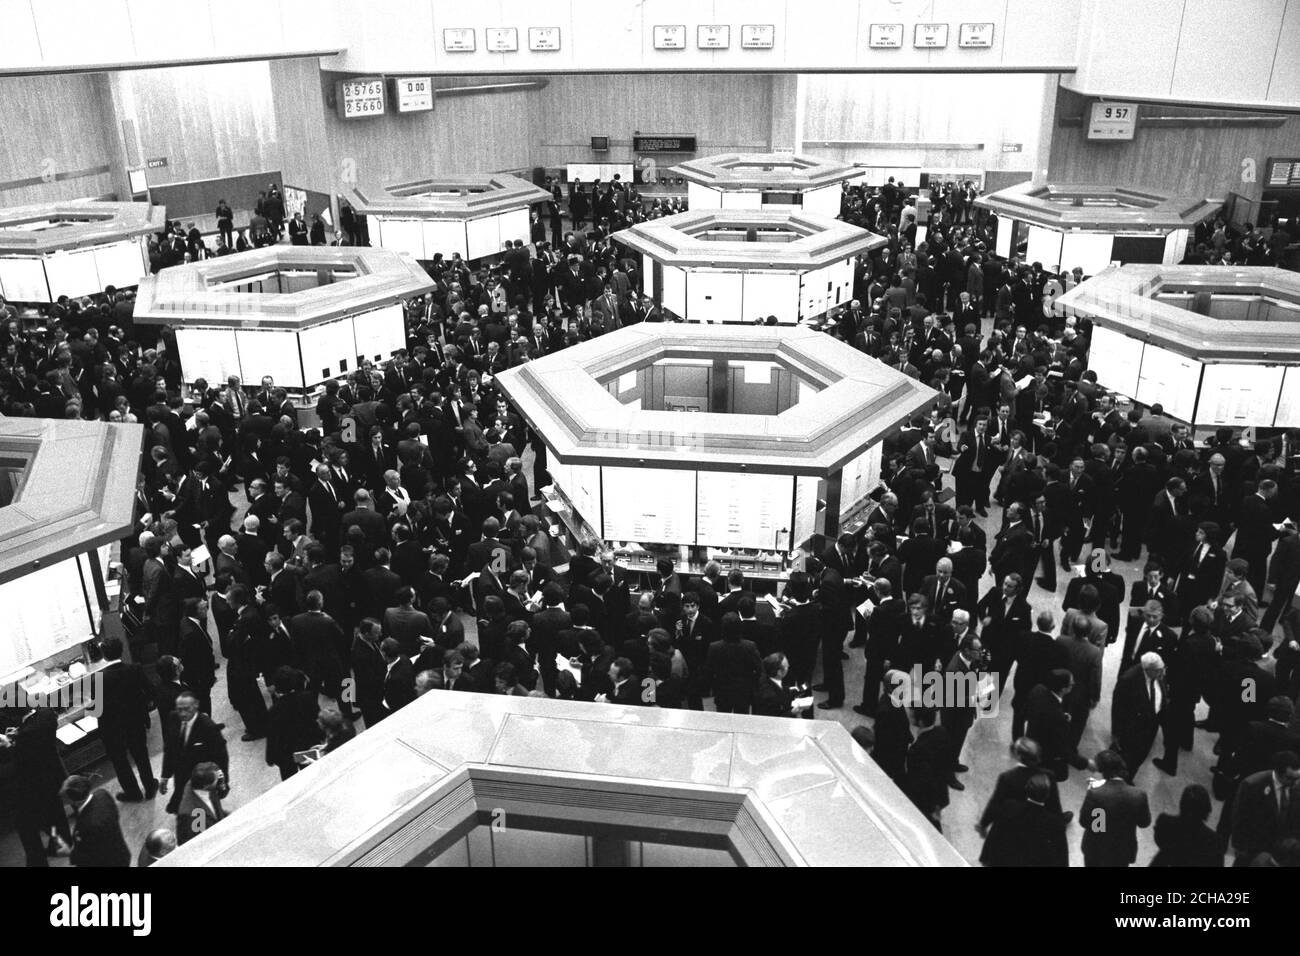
735	510
413	94
1169	379
1239	395
805	509
1110	120
1117	360
1288	406
858	478
655	505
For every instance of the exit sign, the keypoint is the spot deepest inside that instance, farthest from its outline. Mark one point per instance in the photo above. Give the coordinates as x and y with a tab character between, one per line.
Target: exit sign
157	163
1012	147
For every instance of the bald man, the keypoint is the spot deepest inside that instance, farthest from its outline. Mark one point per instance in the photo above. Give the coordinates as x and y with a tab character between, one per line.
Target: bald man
944	592
1138	709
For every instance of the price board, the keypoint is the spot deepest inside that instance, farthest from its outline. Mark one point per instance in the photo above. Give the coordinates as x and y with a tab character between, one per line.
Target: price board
360	97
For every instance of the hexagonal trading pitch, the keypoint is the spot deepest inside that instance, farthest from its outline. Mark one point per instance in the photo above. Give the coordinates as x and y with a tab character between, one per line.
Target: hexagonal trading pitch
1215	345
74	248
751	180
301	314
841	404
470	214
740	265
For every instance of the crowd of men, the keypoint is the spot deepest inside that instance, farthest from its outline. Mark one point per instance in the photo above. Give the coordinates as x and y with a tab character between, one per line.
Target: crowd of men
339	564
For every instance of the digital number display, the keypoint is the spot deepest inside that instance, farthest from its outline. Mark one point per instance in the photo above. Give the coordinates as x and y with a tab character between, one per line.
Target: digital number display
663	144
362	97
413	94
1108	120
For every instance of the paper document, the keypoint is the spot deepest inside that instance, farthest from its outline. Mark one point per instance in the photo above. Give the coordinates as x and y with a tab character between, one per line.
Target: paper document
777	606
866	607
199	555
88	723
69	734
803	703
562	663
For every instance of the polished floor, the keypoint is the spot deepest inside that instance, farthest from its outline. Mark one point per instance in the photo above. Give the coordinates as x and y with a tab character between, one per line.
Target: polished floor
986	752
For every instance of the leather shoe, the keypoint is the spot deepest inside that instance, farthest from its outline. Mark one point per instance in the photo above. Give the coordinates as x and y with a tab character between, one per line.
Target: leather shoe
151	789
830	705
221	726
955	784
861	643
962	768
820	688
1042	583
843	656
130	798
859	709
1163	765
981	512
252	737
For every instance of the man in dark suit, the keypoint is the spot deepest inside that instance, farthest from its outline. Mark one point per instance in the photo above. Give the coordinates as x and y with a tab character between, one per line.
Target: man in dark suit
1015	546
380	586
38	772
1036	655
284	589
928	772
200	807
1004	616
1048	724
1113	810
943	593
1168	535
1266	808
244	662
97	839
1010	784
961	675
125	700
733	669
772	698
1138	710
189	739
1147	630
973	467
1200	576
319	646
544	634
326	507
196	654
694	634
399	677
1026	831
1256	534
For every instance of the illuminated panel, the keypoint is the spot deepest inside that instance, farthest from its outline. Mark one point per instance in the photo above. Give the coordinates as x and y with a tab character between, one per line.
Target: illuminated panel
736	510
1044	246
23	280
445	236
378	334
120	264
483	236
514	225
1002	243
1090	251
805	509
404	235
1288	406
649	505
1239	395
733	199
581	485
702	197
72	273
35	630
1170	379
325	347
824	201
770	293
860	477
265	352
1117	360
674	290
208	353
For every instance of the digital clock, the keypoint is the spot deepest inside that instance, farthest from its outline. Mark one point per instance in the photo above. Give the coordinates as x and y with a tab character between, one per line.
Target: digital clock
413	94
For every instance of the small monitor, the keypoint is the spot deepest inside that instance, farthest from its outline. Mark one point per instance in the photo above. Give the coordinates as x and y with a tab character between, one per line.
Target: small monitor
600	144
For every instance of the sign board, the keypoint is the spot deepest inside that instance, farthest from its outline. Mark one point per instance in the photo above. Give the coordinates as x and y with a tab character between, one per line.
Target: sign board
930	36
1282	172
159	162
670	37
501	39
360	97
1112	121
413	94
973	36
886	36
1013	147
713	36
663	144
458	40
543	39
757	36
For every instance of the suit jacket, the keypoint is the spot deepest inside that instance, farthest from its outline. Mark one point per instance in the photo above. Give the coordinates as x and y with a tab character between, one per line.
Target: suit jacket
127	697
1047	723
1134	719
407	627
205	744
1026	834
733	669
771	699
97	834
399	685
954	597
319	648
1185	842
928	769
1255	531
193	816
1111	814
1013	551
1257	822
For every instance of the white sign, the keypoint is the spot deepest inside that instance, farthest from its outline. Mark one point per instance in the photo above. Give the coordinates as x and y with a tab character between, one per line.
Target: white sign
672	37
744	511
458	40
975	35
543	39
1107	120
713	36
886	36
413	94
757	36
364	97
930	36
501	39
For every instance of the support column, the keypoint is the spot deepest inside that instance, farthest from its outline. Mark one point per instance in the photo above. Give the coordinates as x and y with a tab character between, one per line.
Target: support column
719	393
121	138
610	851
834	486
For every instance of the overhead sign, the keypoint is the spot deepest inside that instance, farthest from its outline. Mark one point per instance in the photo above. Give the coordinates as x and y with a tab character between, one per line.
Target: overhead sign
1282	172
670	37
543	39
930	36
1013	147
1113	121
501	39
157	163
757	36
713	36
975	35
886	36
663	144
458	40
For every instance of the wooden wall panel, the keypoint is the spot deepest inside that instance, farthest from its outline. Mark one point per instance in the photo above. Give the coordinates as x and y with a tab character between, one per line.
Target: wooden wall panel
208	121
728	113
51	129
1198	160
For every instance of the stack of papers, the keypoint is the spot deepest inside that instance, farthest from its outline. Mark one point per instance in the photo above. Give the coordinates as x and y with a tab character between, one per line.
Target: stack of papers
69	734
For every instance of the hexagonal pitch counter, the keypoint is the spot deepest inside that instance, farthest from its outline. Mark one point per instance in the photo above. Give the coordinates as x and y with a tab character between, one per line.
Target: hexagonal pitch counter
473	215
74	248
713	436
744	265
301	314
755	180
1215	345
1091	226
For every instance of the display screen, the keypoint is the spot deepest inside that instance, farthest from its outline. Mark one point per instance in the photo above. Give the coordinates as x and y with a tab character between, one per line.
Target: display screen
1117	360
72	273
413	94
361	97
581	485
1044	246
1239	395
663	144
649	505
860	477
1089	251
744	511
1169	379
35	630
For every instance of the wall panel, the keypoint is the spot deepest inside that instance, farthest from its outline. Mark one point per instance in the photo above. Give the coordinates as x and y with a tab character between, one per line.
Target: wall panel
52	140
